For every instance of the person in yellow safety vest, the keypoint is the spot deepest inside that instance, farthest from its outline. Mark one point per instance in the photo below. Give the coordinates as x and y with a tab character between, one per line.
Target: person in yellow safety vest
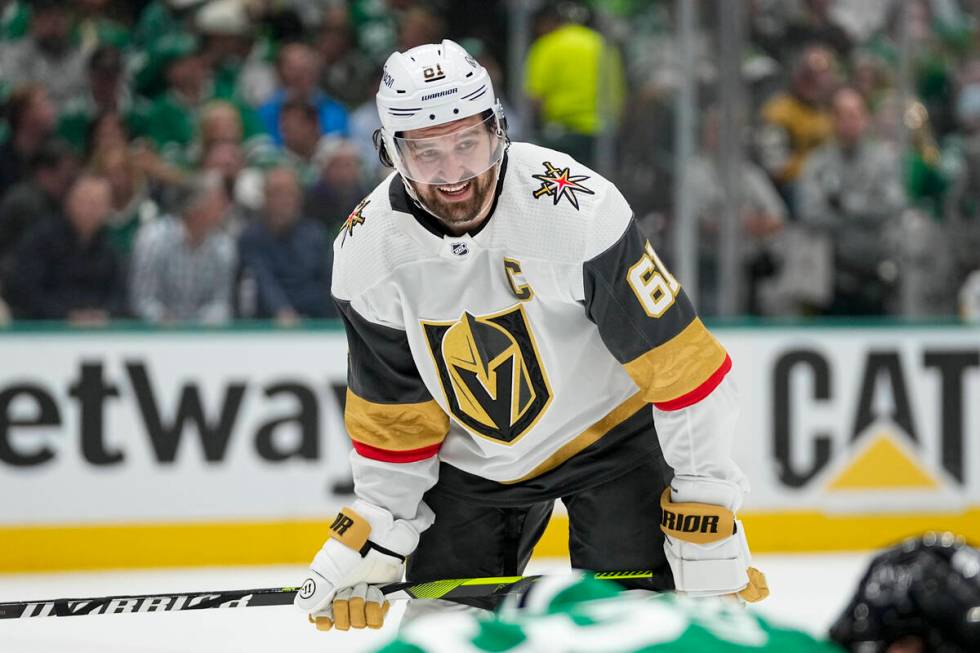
576	82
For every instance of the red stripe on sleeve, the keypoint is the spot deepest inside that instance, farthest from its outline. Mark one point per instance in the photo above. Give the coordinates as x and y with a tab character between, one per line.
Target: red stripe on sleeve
700	392
389	456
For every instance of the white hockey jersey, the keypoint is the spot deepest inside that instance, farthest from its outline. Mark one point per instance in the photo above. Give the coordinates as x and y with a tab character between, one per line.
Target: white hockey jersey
507	353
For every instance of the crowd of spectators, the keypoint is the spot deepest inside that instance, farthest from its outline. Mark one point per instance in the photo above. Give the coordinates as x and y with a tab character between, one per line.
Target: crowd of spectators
186	161
191	160
858	168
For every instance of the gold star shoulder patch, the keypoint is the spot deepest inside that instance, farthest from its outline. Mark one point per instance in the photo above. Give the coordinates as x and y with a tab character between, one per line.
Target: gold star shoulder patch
558	183
355	218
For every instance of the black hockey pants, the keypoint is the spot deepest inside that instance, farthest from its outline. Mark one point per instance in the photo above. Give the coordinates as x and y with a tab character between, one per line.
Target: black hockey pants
612	526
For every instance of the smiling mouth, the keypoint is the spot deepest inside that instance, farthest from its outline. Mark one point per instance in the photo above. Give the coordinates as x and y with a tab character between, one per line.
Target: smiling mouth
455	189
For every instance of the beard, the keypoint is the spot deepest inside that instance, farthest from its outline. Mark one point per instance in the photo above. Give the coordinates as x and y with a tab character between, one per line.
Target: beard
459	213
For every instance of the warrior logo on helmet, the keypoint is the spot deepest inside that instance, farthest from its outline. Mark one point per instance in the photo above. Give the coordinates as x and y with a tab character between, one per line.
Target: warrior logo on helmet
491	373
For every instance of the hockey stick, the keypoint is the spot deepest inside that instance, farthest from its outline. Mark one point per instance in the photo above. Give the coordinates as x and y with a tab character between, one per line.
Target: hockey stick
450	589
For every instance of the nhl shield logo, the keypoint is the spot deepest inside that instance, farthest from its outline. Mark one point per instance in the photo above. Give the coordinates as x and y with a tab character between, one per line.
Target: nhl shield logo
491	372
460	249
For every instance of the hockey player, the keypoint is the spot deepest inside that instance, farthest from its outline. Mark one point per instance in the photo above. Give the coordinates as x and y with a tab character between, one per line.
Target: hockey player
563	614
921	596
513	339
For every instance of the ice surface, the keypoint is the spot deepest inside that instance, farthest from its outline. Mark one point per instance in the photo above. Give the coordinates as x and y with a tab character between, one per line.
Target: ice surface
807	591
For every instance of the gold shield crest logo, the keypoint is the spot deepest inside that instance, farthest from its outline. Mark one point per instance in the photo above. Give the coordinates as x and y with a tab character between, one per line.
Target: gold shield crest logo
491	372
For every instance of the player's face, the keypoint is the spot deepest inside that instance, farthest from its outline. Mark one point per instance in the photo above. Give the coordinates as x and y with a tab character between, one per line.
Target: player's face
453	167
462	206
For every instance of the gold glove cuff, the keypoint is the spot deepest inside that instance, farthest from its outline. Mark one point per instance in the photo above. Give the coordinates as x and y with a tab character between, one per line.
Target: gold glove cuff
350	529
700	523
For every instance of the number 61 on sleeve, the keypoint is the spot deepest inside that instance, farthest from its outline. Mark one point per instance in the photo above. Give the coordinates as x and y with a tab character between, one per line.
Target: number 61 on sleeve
655	288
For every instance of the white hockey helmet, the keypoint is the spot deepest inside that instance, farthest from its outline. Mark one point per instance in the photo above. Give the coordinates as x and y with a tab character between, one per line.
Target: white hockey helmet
432	85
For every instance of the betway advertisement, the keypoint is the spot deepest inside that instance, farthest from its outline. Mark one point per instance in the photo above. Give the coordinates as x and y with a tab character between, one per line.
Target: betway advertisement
156	426
204	426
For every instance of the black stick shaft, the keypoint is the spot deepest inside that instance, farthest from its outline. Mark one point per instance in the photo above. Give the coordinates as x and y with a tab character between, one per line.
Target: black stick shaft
147	603
449	589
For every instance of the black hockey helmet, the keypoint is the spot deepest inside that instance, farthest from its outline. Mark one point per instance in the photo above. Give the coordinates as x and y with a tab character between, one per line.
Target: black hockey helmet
927	587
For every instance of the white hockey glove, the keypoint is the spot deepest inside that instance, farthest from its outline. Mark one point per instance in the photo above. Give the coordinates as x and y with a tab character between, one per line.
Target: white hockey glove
360	550
705	544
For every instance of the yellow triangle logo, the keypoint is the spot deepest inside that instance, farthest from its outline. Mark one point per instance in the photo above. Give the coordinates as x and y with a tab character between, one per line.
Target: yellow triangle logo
883	465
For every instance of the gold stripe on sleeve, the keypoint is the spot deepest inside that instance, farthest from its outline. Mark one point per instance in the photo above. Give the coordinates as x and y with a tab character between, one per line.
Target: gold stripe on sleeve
679	365
589	436
395	427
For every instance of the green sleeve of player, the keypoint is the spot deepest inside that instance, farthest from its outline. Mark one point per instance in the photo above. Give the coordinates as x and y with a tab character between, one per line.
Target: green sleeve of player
588	615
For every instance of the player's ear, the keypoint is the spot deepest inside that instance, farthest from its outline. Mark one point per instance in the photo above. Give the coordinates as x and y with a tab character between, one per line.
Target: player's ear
379	145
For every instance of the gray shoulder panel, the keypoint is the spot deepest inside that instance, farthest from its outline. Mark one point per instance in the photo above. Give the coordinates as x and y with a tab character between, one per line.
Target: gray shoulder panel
380	367
614	305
